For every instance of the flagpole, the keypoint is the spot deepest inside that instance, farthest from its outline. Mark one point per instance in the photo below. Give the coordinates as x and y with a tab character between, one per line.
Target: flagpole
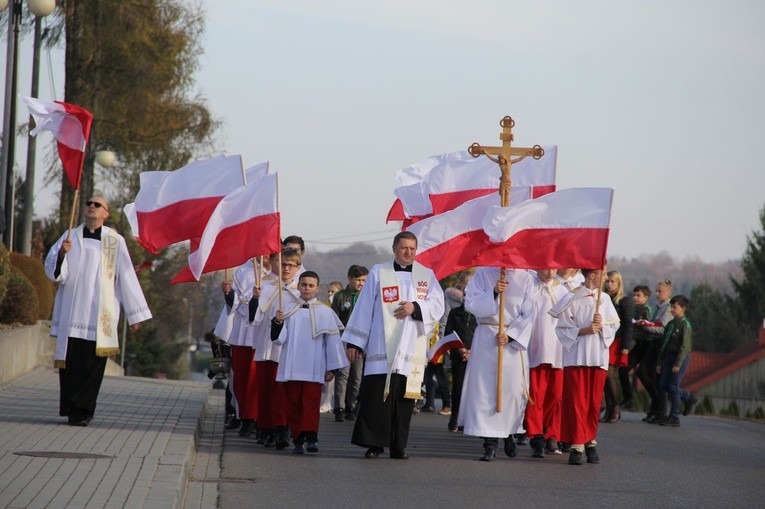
603	270
281	283
255	270
76	198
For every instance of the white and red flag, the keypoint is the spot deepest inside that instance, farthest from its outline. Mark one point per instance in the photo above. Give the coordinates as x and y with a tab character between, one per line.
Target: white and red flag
185	275
443	182
443	345
173	206
567	228
70	126
244	224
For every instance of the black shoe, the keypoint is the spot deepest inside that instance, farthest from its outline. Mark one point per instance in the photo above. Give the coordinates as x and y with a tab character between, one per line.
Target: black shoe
650	416
564	446
339	415
76	421
428	408
510	448
657	419
538	444
282	438
270	440
552	446
298	449
575	458
488	455
592	454
312	447
520	439
397	453
690	405
234	423
452	426
350	415
373	452
672	421
248	428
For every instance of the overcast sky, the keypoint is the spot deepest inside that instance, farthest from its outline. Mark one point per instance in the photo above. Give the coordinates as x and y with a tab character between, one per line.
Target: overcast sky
662	100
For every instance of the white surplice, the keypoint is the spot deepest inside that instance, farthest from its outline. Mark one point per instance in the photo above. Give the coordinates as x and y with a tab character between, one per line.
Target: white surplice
544	347
259	332
242	285
75	310
365	327
478	410
590	349
310	344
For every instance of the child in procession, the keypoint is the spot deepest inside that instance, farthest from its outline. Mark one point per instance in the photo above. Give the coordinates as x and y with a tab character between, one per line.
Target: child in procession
309	335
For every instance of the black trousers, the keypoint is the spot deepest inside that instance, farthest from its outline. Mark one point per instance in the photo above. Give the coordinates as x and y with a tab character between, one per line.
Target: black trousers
458	377
650	379
383	423
81	380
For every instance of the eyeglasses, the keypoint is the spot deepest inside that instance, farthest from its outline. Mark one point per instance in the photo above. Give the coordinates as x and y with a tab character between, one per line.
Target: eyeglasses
95	204
290	266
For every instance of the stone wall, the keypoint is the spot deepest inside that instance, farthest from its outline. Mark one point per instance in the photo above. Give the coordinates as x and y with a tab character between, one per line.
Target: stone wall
24	348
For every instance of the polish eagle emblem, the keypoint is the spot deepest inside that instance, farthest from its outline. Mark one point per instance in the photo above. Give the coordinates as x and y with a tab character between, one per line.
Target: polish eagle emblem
390	294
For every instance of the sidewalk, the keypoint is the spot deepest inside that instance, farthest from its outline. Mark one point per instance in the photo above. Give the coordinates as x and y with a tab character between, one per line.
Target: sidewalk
139	451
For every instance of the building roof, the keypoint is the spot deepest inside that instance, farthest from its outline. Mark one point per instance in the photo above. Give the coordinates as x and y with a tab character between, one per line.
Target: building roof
708	367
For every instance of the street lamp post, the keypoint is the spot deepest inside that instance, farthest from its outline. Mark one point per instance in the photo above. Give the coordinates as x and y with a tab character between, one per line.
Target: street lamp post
39	8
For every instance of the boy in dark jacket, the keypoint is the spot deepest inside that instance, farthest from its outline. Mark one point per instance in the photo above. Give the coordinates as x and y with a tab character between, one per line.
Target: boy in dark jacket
674	358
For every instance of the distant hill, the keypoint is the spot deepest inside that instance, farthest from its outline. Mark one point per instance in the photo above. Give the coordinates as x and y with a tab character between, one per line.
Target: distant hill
645	269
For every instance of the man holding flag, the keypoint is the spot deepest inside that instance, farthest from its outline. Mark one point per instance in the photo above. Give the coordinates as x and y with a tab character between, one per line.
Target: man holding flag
95	275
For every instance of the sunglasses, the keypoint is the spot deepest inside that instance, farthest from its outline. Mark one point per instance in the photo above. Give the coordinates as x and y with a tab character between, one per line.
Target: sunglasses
95	204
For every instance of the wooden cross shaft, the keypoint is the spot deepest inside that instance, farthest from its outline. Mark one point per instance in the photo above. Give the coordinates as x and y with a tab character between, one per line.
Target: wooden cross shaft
503	157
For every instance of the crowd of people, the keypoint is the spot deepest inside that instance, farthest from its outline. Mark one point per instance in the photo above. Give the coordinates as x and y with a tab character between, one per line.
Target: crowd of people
540	349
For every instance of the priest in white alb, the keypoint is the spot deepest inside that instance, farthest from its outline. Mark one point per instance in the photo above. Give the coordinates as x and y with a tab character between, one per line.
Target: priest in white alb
397	309
95	276
478	408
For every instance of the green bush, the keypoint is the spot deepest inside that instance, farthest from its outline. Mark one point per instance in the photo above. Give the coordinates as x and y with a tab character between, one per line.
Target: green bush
732	410
20	302
758	414
5	269
33	269
706	407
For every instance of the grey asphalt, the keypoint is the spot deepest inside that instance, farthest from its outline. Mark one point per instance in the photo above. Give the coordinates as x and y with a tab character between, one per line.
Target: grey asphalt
161	444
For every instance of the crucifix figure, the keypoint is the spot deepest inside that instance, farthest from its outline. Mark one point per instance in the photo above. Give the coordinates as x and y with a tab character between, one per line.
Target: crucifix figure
503	156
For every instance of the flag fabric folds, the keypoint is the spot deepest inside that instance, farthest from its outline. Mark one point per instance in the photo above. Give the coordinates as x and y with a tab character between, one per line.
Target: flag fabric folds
443	345
70	126
567	228
244	224
173	206
443	182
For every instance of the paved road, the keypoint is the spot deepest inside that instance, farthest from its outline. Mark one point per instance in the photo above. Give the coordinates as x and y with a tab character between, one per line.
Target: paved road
708	462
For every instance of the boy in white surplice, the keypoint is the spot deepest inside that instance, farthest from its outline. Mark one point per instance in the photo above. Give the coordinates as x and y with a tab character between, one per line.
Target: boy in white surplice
311	350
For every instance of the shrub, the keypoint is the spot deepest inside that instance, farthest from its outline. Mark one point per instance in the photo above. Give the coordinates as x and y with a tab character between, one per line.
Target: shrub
20	302
706	407
5	269
33	269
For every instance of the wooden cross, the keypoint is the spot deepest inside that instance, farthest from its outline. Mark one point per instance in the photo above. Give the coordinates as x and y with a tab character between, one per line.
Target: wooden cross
503	157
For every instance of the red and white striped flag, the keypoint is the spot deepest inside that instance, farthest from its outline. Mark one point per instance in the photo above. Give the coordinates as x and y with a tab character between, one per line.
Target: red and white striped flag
244	224
173	206
443	182
567	228
443	345
70	126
